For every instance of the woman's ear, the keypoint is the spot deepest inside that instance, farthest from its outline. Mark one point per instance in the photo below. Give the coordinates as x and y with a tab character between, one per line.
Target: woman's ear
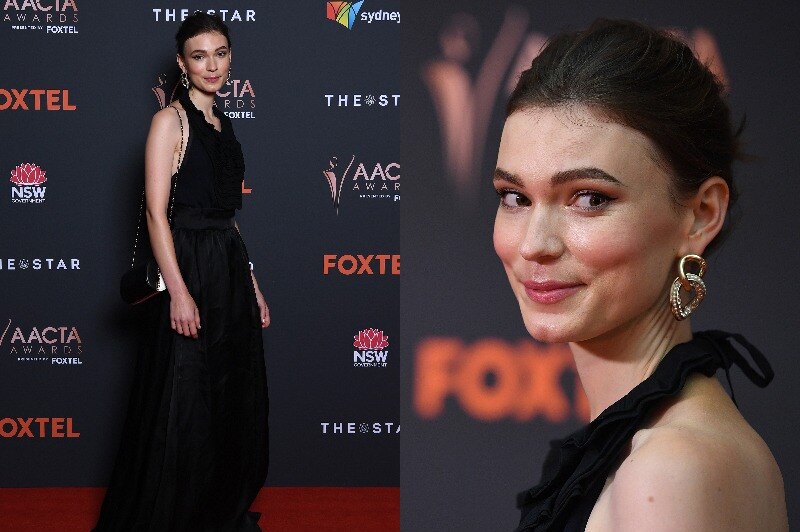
179	59
708	209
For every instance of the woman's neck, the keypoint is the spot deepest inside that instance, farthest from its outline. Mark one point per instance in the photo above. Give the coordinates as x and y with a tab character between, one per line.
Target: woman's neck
203	101
613	364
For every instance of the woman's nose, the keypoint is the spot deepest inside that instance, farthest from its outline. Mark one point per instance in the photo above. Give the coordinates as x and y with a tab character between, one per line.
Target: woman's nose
542	240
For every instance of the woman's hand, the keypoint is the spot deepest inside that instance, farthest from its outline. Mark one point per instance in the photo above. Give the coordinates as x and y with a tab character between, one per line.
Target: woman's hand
184	315
263	308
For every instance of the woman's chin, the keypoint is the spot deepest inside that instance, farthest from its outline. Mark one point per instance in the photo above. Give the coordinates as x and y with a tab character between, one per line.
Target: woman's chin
550	330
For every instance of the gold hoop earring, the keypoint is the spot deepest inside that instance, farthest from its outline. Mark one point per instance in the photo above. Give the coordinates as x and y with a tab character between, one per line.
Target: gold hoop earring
689	282
184	80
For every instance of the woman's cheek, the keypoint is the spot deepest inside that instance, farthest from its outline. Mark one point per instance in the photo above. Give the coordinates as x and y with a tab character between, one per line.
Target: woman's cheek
505	238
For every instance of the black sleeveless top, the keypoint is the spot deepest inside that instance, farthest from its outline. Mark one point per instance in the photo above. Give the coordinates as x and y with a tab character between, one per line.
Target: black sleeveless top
576	467
212	170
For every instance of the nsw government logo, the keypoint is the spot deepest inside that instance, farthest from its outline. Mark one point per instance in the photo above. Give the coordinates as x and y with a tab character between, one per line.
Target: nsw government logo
371	349
28	180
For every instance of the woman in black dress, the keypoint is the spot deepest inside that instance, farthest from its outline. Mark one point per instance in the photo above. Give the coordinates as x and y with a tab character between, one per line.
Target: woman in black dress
614	177
193	454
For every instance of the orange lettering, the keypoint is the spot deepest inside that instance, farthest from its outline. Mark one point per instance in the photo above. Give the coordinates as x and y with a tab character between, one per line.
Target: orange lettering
493	379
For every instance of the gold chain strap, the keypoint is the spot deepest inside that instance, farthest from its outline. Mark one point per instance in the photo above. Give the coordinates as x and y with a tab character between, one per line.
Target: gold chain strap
181	155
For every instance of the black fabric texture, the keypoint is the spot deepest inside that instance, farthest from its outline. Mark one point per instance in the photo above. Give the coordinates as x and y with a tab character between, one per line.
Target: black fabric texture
577	466
194	448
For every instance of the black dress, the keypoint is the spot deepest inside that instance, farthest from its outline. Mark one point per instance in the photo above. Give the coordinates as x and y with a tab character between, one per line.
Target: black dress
193	454
576	467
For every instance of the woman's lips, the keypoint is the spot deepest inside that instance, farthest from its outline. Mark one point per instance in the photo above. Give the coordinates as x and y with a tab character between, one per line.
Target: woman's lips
212	80
547	292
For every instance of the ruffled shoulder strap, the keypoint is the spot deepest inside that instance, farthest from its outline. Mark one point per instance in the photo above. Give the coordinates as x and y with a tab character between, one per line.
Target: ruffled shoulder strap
577	466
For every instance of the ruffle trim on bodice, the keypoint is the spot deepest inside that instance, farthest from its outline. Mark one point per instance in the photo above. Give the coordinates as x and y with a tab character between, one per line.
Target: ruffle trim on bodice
224	150
587	455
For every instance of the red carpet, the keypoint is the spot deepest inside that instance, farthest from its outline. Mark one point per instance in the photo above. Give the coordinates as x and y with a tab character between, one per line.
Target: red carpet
282	509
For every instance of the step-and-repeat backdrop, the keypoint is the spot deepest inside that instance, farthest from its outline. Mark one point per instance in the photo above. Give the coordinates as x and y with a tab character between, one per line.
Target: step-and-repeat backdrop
314	97
480	399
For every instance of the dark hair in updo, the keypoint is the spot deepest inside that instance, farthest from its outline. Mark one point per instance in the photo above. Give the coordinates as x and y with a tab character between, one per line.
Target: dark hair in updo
197	23
645	79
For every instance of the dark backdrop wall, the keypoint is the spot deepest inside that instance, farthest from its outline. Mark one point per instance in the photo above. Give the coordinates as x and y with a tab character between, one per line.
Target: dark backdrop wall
480	401
77	151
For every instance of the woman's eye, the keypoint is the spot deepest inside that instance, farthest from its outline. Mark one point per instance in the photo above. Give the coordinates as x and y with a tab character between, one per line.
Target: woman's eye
589	200
197	57
512	199
222	54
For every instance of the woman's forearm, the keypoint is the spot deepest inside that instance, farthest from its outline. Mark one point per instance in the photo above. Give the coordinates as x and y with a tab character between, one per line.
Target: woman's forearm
164	253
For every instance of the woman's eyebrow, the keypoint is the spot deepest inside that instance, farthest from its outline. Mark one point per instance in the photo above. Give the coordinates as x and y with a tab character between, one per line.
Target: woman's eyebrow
583	173
223	47
561	177
504	175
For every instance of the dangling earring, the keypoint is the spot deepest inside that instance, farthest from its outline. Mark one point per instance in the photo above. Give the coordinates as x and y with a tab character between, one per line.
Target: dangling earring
229	76
184	80
688	281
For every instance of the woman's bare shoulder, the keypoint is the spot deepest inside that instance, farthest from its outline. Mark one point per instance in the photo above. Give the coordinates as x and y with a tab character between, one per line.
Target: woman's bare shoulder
165	122
702	465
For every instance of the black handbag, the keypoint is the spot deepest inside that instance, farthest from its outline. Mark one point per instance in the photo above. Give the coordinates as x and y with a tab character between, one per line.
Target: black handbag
143	281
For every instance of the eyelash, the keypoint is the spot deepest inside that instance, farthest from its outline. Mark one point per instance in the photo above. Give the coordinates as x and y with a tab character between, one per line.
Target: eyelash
199	57
606	199
501	193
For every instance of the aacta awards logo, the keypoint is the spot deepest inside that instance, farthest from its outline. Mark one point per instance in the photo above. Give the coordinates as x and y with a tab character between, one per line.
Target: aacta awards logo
227	15
361	264
38	427
35	100
56	345
362	100
465	103
28	180
371	347
50	16
238	99
381	182
346	14
363	428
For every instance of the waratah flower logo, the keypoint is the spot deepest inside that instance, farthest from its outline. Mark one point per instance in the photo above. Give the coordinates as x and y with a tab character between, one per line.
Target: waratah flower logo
27	174
371	339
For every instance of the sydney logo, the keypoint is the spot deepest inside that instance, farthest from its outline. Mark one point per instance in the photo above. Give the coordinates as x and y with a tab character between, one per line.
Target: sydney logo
29	179
344	13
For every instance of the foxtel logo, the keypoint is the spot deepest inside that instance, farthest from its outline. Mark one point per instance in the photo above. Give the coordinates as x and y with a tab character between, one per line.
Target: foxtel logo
48	427
47	99
361	264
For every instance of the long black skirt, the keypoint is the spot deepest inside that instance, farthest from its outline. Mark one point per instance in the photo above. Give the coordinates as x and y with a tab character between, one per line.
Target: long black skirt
194	454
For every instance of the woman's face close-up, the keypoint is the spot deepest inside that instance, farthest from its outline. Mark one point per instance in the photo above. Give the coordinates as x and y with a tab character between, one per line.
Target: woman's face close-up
587	229
207	59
